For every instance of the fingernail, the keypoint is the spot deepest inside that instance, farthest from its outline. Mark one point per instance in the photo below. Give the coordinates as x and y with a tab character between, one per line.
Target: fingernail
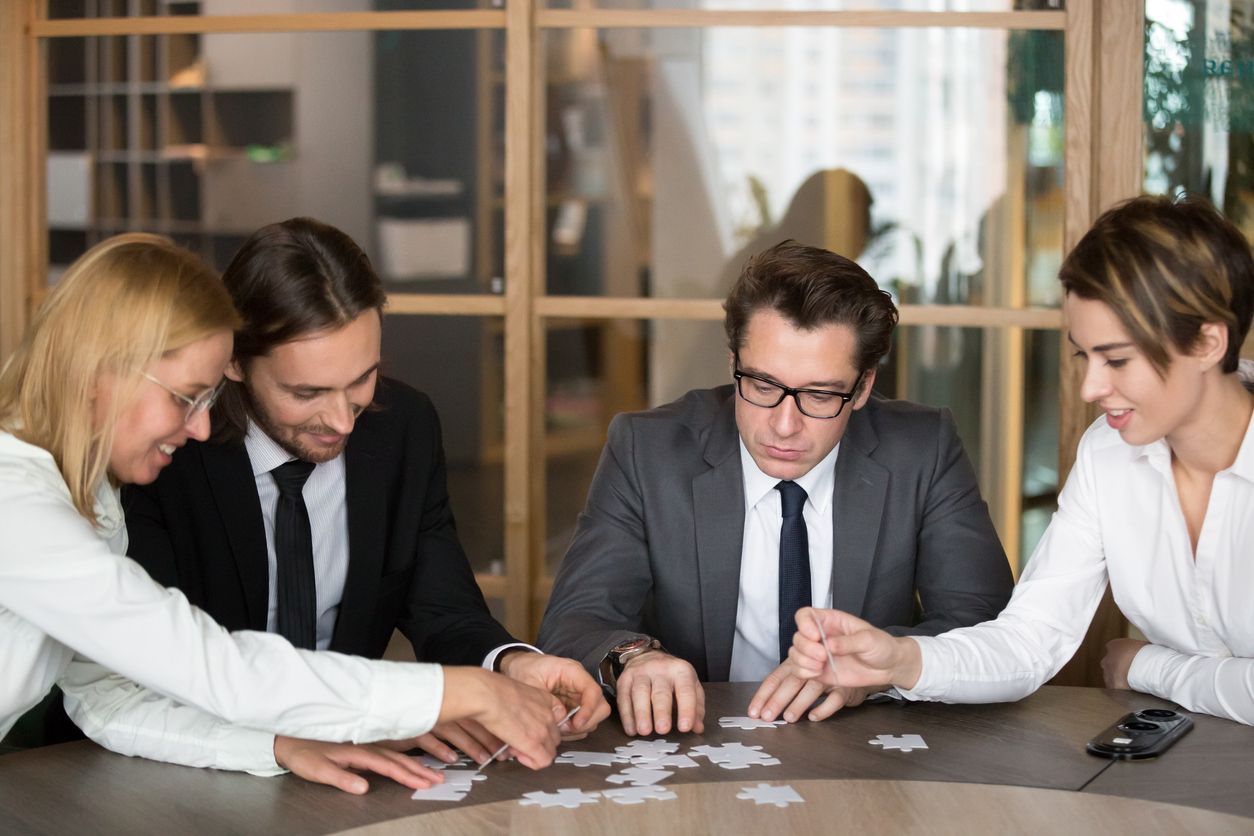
788	717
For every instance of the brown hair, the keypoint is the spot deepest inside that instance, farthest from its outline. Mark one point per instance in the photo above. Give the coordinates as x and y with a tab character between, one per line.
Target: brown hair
812	287
289	280
1165	268
120	306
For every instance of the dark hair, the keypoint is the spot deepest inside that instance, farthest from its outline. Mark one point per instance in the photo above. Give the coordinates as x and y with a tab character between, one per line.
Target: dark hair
289	280
1165	268
812	287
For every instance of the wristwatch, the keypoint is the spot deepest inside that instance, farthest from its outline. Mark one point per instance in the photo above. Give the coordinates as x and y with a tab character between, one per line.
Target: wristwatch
620	654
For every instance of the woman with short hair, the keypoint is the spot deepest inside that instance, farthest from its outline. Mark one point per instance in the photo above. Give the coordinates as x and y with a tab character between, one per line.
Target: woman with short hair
1160	502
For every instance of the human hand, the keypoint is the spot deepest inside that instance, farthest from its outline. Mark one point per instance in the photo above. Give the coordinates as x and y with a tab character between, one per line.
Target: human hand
1118	661
865	656
565	679
651	686
468	736
524	717
329	763
784	693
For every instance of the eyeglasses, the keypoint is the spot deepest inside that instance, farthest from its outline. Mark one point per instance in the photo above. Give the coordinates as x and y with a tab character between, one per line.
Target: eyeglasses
815	403
195	406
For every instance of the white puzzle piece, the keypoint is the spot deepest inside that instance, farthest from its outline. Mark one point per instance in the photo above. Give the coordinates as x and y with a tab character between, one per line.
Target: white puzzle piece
647	749
767	794
639	795
681	761
463	777
735	755
748	723
583	759
566	797
639	776
442	792
905	742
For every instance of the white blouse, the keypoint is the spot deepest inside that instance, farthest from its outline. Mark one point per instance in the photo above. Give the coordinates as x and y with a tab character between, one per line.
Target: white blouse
1119	519
73	608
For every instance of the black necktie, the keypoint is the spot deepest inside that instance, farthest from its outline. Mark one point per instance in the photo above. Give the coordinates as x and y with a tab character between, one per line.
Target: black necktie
293	547
794	563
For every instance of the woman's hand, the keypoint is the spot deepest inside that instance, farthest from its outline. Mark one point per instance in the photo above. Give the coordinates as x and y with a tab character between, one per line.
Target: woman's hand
330	764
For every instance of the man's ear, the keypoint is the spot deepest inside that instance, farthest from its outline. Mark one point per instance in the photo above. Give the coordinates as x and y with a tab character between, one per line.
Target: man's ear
234	372
1211	345
864	393
731	363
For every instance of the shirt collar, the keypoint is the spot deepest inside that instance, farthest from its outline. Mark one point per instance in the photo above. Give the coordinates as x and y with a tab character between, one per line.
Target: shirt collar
1158	454
1244	464
817	482
264	452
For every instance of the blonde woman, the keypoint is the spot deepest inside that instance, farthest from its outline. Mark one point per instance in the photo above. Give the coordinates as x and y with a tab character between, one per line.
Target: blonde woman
1160	503
117	371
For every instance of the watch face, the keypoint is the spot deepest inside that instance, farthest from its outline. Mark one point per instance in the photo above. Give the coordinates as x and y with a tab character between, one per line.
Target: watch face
627	647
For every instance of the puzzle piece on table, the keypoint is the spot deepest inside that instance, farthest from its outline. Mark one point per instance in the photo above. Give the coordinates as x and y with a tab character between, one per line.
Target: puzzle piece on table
681	761
748	723
767	794
647	749
905	742
590	758
435	763
463	777
735	755
639	795
442	792
639	776
566	797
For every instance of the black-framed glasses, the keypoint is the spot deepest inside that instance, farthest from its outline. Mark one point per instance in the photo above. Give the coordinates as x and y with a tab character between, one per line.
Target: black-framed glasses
815	403
201	403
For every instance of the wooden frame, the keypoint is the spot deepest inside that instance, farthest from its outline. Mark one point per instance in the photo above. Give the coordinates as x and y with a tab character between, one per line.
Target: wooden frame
1102	164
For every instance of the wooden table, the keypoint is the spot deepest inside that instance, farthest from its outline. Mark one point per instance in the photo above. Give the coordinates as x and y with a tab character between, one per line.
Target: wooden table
1034	749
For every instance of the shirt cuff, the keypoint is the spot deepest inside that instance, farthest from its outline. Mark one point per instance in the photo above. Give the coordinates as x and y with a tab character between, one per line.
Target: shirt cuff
928	686
405	701
1149	669
489	661
252	752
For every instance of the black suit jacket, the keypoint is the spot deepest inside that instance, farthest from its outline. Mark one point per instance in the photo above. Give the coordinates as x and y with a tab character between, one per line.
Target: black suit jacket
198	527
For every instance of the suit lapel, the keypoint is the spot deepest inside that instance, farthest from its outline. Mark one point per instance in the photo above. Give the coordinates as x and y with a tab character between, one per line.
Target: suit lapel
858	495
234	488
718	498
366	497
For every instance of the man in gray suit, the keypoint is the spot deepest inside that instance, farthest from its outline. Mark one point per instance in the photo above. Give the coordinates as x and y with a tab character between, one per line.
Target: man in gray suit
712	519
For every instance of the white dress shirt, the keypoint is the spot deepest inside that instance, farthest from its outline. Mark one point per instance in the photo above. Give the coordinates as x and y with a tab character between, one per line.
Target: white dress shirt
325	494
1119	518
73	608
755	647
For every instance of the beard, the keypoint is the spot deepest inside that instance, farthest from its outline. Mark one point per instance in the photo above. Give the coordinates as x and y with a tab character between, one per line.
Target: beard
290	439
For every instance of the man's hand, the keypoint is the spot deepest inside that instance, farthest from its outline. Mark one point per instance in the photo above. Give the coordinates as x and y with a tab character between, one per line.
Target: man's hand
651	686
524	717
784	693
329	763
1118	661
470	737
865	656
565	679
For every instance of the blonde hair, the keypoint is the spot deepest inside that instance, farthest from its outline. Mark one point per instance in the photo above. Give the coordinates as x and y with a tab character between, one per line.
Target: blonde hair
121	306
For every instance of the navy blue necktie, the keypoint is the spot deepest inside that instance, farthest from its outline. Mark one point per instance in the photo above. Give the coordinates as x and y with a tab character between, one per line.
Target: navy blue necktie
794	563
293	548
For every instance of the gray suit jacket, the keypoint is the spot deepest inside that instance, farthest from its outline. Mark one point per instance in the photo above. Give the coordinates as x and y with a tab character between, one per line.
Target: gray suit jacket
657	548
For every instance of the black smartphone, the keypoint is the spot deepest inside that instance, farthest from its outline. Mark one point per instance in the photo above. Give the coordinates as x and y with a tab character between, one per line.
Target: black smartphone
1142	734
